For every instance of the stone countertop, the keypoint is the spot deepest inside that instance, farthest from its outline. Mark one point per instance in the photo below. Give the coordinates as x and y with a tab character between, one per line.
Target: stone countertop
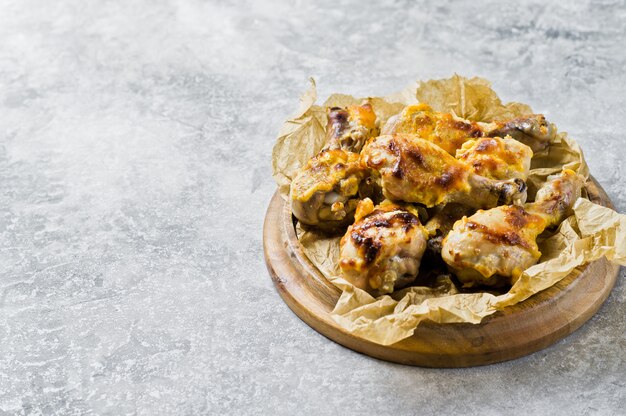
135	142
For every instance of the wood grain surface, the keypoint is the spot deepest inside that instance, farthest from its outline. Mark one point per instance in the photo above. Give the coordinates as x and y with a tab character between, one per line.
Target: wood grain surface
518	330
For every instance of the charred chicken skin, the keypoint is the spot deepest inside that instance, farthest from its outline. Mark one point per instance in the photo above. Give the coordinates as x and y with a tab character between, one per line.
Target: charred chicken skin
412	169
495	246
533	130
382	250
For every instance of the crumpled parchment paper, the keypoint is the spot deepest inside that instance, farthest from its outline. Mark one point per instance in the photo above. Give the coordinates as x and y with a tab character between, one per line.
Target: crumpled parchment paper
592	232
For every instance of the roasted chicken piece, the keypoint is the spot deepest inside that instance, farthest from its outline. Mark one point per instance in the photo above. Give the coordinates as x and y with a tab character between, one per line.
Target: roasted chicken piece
382	250
325	191
450	132
443	129
349	128
532	130
412	169
496	158
495	246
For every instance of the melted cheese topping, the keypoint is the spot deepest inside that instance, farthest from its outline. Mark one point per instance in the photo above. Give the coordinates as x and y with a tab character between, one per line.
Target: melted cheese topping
496	158
415	170
330	170
443	129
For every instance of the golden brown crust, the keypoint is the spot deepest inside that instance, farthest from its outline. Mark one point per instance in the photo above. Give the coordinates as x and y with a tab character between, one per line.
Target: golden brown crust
325	192
496	158
443	129
329	170
414	169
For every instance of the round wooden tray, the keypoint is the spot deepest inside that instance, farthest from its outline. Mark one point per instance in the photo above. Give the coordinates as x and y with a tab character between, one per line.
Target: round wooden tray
518	330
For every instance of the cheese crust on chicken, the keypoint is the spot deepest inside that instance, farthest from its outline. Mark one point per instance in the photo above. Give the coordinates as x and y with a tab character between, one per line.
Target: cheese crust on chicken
412	169
495	246
382	250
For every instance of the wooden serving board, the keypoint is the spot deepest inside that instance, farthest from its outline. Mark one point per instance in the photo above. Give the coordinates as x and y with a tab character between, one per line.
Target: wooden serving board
516	331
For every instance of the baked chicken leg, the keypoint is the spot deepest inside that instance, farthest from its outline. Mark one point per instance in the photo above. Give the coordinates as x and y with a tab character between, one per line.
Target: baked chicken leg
324	193
450	132
415	170
382	250
495	246
496	158
443	129
349	128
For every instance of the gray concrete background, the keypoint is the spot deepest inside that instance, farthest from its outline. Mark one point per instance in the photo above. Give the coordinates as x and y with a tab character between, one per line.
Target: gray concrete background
135	142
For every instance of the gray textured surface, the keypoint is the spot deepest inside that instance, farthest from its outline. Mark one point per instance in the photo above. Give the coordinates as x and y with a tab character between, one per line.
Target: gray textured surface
135	142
